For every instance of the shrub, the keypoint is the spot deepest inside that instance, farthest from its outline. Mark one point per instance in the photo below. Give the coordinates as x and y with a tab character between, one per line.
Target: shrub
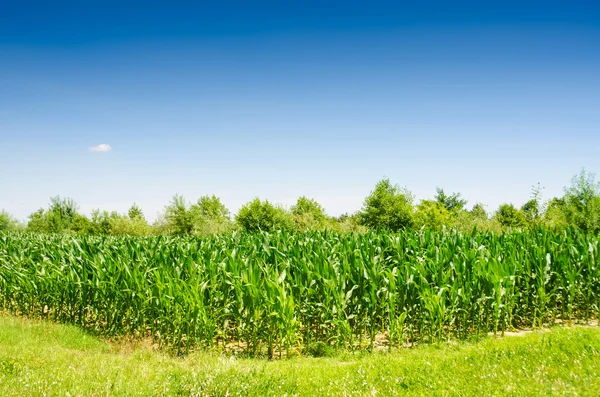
388	206
262	215
509	216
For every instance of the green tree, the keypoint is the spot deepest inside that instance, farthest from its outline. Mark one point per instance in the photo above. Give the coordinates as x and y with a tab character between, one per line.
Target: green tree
349	223
388	206
432	214
179	216
308	214
61	214
125	226
582	202
555	216
210	216
7	222
307	206
135	212
509	216
38	222
101	222
81	225
262	215
479	212
451	202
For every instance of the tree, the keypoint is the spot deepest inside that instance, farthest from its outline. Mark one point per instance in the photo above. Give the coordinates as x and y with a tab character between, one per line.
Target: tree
210	216
555	216
262	215
582	202
534	209
531	211
135	212
432	214
509	216
61	214
38	222
211	207
349	223
306	206
309	214
479	212
125	226
7	222
452	202
179	216
388	206
60	217
101	222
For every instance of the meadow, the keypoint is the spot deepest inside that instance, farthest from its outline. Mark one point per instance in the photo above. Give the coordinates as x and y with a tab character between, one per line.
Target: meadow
38	358
290	293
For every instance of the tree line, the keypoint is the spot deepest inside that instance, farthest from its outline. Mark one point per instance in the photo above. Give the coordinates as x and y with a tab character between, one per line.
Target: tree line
388	206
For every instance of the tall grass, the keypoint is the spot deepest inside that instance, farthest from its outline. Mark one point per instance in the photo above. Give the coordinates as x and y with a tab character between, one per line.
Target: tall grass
271	292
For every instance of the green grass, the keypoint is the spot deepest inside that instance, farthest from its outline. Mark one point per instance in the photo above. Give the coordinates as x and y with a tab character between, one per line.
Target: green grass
39	358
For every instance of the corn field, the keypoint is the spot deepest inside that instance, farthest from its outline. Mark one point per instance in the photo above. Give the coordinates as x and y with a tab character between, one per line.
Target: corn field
267	293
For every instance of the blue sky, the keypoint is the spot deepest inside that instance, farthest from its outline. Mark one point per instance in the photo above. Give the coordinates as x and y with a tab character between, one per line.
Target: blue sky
282	99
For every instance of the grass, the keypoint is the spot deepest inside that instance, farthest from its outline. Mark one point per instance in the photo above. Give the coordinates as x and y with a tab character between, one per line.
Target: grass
39	358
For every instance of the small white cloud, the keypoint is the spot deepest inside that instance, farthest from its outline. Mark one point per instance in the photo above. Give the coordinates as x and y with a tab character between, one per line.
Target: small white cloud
103	147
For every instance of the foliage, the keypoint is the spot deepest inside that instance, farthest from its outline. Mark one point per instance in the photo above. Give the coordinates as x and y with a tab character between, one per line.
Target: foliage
135	212
179	216
349	223
387	207
8	222
125	226
308	214
509	216
479	211
582	202
210	216
263	216
273	292
452	202
555	216
432	214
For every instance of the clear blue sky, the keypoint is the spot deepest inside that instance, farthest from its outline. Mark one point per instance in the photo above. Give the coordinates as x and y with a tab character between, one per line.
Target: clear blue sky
282	99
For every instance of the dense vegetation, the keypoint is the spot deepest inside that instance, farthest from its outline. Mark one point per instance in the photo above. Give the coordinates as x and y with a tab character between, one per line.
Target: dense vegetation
387	207
265	293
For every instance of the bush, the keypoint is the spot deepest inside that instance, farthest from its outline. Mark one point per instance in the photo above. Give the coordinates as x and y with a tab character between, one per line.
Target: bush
582	202
388	206
309	215
509	216
432	214
7	222
210	216
262	215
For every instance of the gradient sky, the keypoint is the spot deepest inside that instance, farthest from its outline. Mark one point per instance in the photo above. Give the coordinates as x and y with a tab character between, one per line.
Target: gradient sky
282	99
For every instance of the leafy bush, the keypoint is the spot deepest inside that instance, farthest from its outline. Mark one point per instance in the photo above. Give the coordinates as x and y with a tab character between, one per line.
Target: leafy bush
582	202
309	215
8	222
432	214
388	206
509	216
262	215
452	202
210	216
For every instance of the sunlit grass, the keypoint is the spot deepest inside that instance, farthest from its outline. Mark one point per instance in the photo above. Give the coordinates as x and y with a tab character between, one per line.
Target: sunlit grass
39	358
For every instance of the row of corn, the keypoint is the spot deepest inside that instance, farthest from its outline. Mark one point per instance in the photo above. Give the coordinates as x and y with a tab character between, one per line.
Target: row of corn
266	293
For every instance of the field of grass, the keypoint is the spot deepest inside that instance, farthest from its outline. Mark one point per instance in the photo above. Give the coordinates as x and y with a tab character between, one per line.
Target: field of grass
289	293
38	358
